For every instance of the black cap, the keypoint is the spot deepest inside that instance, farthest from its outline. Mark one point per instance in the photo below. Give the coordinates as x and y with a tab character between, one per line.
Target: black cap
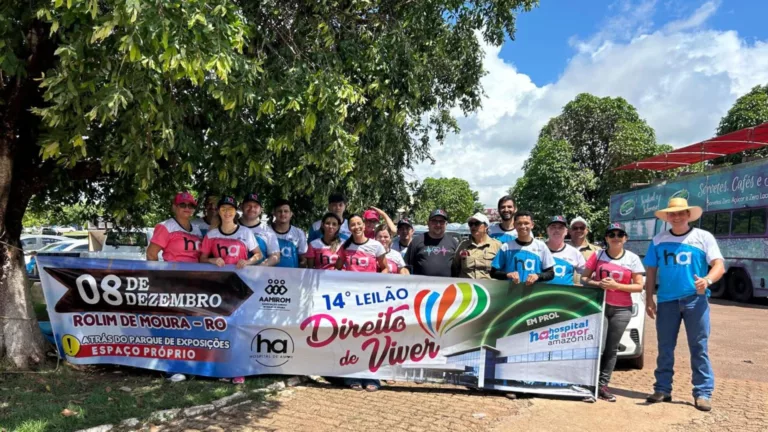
615	226
336	197
438	212
558	219
227	200
404	221
252	197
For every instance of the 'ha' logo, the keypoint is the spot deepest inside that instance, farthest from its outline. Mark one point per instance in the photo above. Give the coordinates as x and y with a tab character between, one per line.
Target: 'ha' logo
459	304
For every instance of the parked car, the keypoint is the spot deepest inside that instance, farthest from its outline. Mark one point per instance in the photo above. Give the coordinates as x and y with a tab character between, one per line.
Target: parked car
632	344
31	243
67	247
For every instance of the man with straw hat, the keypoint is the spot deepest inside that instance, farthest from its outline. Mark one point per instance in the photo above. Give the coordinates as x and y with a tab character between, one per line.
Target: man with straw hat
678	261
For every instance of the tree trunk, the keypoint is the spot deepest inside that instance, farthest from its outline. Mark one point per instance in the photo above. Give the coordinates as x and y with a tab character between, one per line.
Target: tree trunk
21	341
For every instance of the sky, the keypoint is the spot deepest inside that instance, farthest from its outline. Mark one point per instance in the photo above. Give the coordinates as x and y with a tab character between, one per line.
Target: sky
681	63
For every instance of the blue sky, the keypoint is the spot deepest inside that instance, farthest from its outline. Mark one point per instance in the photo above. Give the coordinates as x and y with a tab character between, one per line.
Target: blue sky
552	26
680	63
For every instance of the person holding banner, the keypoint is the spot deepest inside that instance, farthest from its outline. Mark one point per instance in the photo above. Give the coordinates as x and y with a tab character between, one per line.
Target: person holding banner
569	262
266	239
474	255
323	252
523	259
620	273
395	262
177	238
359	253
291	239
229	244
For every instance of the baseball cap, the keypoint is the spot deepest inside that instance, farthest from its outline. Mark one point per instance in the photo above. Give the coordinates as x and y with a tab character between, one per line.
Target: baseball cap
480	217
558	219
438	213
184	197
370	214
252	197
578	219
615	226
337	197
227	200
404	221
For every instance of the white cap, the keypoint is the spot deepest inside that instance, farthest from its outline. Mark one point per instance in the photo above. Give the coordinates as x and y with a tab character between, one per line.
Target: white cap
480	218
578	219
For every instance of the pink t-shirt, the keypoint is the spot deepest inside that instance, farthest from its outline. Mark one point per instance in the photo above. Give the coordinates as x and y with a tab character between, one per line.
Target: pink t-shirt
325	259
362	257
178	244
620	269
394	261
230	247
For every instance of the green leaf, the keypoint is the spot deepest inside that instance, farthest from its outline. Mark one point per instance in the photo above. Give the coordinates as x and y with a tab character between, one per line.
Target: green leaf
309	124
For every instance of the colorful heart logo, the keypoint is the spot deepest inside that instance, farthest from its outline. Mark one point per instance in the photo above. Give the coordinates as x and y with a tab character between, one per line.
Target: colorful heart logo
459	304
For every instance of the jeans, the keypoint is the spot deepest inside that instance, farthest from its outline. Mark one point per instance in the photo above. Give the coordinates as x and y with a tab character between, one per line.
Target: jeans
694	311
614	324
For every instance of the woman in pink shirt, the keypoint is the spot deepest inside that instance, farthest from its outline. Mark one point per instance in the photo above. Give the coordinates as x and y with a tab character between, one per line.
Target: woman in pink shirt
177	238
620	273
360	253
230	243
323	253
395	262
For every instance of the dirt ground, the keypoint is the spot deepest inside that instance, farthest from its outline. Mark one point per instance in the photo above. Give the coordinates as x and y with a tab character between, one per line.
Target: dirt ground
738	350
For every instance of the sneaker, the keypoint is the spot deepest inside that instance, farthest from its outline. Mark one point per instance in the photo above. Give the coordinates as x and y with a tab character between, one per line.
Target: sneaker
703	404
238	380
605	395
177	378
657	397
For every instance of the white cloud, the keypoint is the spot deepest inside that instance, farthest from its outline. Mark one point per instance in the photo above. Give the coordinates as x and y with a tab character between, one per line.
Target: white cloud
682	79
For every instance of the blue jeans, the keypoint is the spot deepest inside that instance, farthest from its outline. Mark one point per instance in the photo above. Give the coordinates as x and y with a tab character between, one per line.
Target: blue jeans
694	311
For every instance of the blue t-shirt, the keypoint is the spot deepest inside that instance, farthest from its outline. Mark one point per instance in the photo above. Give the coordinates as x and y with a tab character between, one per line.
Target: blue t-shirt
498	233
567	261
293	244
266	239
315	232
526	259
678	258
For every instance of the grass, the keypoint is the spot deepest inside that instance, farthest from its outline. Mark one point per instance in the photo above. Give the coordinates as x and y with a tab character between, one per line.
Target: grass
35	402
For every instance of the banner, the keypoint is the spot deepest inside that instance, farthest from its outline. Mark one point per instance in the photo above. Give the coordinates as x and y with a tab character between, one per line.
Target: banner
739	186
199	319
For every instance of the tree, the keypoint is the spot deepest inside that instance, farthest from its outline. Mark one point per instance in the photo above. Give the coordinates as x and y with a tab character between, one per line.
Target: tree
553	184
450	194
601	134
122	103
748	111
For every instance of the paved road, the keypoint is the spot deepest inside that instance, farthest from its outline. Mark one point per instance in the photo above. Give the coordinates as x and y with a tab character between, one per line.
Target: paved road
739	352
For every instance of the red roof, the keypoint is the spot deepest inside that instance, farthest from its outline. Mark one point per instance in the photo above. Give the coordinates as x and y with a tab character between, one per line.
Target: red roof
734	142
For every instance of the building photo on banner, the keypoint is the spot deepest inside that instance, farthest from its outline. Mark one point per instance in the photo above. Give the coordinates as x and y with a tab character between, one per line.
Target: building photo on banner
226	322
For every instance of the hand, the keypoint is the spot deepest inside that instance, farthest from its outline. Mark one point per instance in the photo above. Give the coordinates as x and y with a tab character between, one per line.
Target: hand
532	278
607	283
701	285
241	264
219	262
514	277
650	308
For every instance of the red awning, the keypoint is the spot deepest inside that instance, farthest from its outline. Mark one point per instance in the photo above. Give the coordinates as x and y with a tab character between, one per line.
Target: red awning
734	142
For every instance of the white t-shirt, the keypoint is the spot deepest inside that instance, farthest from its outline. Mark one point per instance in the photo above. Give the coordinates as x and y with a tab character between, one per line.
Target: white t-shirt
395	261
362	257
293	244
568	261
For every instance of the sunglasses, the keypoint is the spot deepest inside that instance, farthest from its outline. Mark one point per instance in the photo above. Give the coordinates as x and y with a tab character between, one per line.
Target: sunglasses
186	206
616	234
578	228
474	223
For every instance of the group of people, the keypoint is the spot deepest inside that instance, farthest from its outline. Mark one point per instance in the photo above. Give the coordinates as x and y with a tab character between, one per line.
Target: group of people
679	266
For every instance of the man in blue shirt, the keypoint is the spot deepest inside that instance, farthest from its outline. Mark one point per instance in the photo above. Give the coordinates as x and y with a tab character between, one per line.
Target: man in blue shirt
678	260
523	259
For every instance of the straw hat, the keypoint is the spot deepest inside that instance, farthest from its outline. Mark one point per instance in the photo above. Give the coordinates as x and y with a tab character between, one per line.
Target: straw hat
676	205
